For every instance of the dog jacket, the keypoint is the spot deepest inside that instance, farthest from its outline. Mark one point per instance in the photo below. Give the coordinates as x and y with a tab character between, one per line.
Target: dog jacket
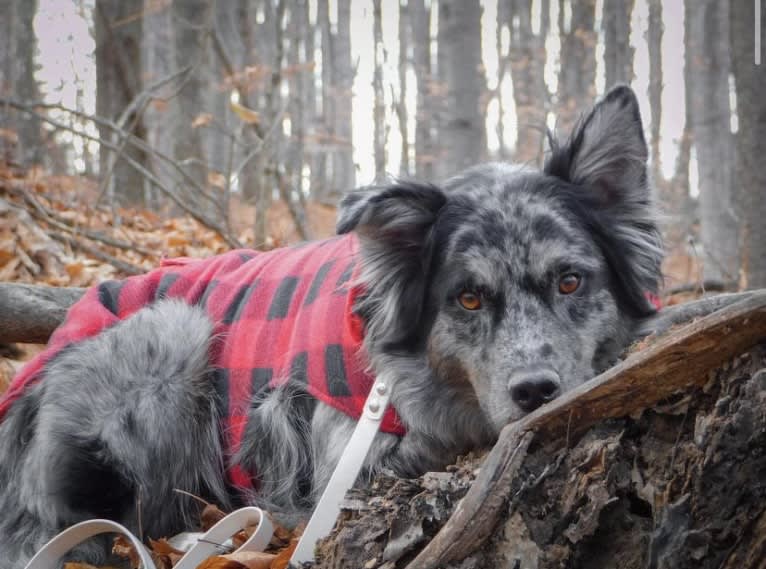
280	314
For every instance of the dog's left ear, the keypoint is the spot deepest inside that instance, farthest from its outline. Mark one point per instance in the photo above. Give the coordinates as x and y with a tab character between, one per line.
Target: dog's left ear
605	161
606	152
395	225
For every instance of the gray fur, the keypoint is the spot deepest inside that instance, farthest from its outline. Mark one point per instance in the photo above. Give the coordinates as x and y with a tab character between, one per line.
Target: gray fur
136	405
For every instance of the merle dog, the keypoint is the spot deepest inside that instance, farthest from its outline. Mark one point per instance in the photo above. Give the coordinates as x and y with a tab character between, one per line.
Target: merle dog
481	299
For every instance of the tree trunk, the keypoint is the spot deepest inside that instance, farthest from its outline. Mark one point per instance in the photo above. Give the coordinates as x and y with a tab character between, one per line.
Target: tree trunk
577	78
401	104
119	78
654	41
751	143
527	59
379	107
191	18
21	138
618	54
420	18
708	45
343	160
462	131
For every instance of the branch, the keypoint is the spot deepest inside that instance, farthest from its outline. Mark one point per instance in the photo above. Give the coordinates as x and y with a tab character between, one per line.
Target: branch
122	266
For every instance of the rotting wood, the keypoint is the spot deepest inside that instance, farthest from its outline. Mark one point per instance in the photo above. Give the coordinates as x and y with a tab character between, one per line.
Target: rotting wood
680	358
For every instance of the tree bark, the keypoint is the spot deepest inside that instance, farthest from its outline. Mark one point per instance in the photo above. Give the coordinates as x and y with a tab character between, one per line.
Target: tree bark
654	41
618	54
750	194
707	43
119	78
379	106
343	159
461	131
21	138
577	78
420	18
30	313
527	58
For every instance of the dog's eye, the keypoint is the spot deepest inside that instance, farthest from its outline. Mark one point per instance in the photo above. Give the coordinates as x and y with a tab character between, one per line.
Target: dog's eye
469	300
569	283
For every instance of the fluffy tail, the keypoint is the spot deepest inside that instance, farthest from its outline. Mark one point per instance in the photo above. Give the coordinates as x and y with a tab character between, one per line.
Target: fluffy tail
116	425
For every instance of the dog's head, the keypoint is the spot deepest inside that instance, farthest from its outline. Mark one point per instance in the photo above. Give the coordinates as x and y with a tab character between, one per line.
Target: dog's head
516	284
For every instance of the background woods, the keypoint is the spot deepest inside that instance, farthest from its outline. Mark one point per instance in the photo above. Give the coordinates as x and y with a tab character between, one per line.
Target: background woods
254	117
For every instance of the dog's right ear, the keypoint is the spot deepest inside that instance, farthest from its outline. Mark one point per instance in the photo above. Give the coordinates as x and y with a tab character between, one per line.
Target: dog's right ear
399	211
394	224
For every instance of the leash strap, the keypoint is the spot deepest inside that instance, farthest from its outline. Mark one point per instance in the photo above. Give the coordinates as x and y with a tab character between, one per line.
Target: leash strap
209	544
345	473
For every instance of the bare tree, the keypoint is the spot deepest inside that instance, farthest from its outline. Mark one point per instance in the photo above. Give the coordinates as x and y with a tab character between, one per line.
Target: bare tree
618	54
577	78
708	45
20	137
750	142
191	23
343	163
119	79
654	41
420	21
461	131
379	106
527	58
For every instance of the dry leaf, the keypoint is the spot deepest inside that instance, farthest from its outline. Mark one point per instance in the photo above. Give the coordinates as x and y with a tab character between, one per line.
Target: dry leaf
252	559
247	115
282	558
210	516
202	119
220	562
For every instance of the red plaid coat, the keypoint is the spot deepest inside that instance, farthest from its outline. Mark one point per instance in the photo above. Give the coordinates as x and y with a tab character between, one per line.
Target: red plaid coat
284	313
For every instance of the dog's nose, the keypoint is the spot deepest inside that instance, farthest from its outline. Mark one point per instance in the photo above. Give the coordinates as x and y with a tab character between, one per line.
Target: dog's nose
530	388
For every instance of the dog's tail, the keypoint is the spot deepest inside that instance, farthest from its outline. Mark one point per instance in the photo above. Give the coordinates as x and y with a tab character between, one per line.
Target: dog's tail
117	425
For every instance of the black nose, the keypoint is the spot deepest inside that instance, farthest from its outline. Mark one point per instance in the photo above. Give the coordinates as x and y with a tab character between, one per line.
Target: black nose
531	388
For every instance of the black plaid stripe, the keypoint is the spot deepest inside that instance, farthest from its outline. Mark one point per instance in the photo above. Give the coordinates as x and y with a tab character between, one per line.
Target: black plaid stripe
346	274
299	371
109	295
282	298
260	379
206	294
166	282
316	284
335	369
239	303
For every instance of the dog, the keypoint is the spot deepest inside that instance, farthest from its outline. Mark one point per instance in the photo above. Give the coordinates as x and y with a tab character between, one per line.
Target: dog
480	299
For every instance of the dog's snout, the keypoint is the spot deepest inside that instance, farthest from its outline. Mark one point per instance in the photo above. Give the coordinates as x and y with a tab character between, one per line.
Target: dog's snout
532	387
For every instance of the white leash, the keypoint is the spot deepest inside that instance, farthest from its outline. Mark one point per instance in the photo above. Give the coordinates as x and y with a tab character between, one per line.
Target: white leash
320	524
209	544
344	476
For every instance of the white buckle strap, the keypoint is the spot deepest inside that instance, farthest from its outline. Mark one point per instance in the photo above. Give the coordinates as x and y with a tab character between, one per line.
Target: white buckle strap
209	544
346	472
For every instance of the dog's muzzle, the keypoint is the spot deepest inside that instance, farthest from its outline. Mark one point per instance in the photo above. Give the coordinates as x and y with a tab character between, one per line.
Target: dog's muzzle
531	387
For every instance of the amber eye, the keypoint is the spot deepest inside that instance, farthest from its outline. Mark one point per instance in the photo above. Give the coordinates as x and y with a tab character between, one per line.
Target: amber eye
469	300
569	283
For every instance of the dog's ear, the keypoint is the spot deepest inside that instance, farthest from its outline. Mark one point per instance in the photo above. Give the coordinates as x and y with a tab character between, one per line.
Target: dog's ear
606	152
605	162
395	225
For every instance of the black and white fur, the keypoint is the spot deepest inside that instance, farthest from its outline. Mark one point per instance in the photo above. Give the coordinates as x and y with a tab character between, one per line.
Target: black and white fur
123	419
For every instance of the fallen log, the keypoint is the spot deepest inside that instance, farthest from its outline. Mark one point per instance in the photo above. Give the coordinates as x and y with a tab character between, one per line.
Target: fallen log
680	362
30	313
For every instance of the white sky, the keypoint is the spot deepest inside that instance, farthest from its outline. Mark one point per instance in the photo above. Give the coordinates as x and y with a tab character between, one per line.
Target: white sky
66	47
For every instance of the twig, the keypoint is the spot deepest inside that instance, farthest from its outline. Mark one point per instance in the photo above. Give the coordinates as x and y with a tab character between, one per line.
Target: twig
122	266
199	216
48	216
